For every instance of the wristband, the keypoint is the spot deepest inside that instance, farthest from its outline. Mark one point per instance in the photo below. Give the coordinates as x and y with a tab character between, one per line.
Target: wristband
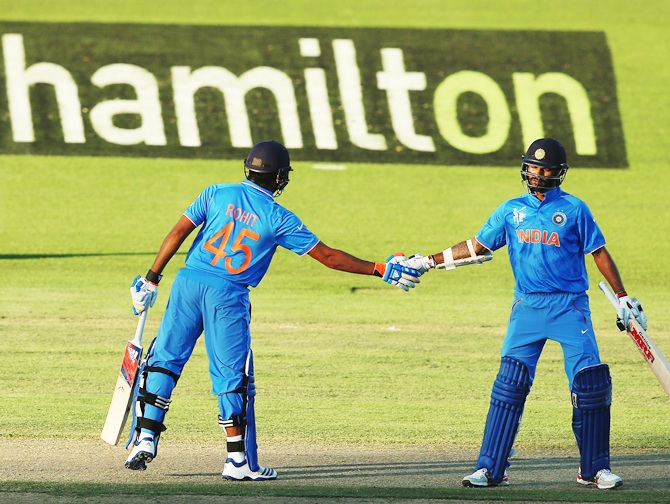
154	278
380	269
621	294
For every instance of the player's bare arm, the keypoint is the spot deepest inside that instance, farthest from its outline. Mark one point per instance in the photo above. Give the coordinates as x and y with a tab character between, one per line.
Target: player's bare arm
144	289
628	308
393	272
467	249
608	269
171	243
340	260
461	254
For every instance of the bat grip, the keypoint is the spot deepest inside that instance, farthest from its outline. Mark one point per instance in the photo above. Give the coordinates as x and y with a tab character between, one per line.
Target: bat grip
137	340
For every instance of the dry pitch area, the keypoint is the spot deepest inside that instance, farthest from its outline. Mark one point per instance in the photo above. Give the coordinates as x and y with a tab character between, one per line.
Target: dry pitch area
61	461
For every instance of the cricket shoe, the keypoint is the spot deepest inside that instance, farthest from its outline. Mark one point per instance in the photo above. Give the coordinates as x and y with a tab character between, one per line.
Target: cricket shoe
604	479
482	478
240	471
144	451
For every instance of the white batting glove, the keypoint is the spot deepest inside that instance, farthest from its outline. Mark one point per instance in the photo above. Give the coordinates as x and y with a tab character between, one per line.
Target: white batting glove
420	263
629	308
143	293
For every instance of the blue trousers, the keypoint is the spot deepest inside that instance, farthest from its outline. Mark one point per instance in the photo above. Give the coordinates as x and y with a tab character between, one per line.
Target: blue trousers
201	302
561	317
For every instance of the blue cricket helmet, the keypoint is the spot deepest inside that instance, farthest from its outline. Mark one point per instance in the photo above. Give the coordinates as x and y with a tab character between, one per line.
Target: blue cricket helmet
545	153
270	157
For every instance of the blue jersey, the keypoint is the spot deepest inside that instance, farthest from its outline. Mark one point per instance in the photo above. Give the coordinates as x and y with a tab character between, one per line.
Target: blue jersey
242	226
546	241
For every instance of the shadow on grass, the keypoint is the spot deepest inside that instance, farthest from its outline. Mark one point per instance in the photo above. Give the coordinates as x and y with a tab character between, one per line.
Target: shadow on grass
646	480
14	257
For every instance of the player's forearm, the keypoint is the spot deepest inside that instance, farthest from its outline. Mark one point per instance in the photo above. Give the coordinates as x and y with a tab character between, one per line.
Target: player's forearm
171	244
340	260
608	269
467	249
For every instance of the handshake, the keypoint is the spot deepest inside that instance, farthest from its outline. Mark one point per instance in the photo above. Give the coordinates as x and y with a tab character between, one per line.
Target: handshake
404	272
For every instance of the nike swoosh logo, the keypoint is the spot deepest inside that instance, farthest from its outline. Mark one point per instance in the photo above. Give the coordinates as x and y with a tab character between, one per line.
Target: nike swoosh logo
585	331
301	225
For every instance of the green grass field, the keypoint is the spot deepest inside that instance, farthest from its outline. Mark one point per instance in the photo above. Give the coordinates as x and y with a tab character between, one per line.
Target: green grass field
341	359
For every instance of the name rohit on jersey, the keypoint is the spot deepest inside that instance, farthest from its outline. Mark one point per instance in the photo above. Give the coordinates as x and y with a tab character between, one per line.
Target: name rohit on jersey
538	236
241	215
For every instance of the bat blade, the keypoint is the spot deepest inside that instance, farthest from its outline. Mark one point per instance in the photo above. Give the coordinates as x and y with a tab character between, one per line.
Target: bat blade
652	354
123	392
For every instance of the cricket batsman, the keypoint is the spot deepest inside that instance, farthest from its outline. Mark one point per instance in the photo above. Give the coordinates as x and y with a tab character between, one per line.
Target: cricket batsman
241	226
548	232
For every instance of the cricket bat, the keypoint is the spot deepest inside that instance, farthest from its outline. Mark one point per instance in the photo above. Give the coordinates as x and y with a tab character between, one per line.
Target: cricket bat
123	393
651	353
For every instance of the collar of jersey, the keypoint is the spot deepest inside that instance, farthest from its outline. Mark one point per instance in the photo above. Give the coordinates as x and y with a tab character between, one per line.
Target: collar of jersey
548	197
258	188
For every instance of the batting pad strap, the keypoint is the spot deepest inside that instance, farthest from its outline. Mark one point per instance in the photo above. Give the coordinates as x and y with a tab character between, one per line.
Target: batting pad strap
155	400
156	369
235	446
236	421
152	425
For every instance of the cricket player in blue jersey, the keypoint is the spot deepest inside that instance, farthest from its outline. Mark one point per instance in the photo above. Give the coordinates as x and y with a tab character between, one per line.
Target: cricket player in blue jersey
547	232
241	226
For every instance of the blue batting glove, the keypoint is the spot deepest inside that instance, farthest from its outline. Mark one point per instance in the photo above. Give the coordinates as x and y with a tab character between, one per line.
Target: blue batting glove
394	273
143	293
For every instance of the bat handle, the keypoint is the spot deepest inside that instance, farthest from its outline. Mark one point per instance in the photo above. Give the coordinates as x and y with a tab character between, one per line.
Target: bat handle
137	340
609	294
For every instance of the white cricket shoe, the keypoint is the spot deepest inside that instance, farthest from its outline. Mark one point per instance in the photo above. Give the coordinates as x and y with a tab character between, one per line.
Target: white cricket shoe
604	479
482	478
240	471
143	452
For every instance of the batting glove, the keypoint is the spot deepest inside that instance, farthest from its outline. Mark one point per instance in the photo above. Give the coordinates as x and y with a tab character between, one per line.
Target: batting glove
143	293
420	263
395	273
629	308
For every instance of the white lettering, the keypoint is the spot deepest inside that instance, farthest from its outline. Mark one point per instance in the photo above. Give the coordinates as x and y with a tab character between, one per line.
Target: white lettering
317	95
19	80
147	105
397	83
393	79
186	83
351	93
446	114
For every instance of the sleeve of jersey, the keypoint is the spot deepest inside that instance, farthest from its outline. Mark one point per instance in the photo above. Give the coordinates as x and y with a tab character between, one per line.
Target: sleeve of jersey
591	235
292	234
197	211
492	234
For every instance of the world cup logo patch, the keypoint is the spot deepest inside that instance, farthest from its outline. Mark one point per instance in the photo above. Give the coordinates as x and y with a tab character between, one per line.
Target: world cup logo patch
558	218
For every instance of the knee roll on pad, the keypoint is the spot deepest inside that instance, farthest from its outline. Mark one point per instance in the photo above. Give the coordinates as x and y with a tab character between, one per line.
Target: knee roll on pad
511	386
591	401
